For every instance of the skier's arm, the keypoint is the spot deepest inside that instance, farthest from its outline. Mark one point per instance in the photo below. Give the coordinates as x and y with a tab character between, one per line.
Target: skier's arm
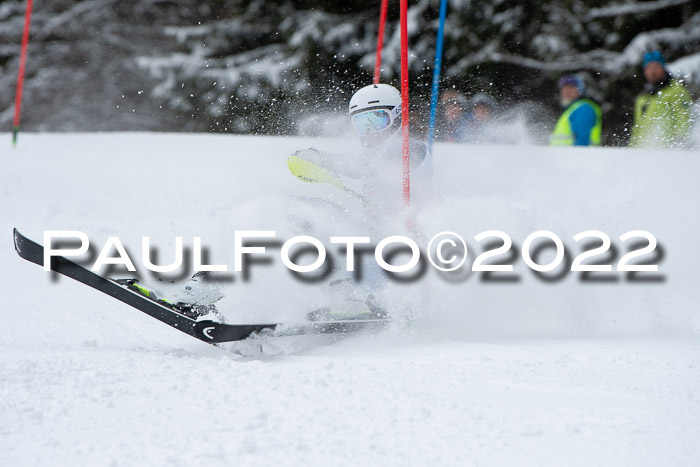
582	121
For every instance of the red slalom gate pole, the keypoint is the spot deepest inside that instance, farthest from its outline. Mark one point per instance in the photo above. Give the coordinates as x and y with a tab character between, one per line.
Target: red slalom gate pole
380	41
20	77
404	105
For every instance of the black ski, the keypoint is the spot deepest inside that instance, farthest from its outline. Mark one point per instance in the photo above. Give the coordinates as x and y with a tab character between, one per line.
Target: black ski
207	331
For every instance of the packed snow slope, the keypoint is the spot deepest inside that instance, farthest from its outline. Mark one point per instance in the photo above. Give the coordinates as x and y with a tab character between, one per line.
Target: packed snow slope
502	370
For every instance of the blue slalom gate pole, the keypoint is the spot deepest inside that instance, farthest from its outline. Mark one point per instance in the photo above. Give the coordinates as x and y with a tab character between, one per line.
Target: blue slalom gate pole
436	74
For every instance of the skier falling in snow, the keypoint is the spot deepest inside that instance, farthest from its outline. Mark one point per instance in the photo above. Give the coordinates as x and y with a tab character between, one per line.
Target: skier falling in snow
375	115
375	112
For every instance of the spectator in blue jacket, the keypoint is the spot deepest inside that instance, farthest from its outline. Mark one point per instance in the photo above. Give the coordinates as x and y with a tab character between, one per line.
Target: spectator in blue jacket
581	122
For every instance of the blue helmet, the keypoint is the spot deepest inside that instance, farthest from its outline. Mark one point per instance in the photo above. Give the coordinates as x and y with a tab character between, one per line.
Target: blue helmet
654	56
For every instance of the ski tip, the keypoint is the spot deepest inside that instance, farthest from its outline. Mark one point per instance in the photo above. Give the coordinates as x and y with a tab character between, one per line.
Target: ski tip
16	238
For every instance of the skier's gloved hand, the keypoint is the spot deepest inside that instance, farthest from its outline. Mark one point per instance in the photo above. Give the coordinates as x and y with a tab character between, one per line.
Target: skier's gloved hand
305	164
308	166
312	155
310	171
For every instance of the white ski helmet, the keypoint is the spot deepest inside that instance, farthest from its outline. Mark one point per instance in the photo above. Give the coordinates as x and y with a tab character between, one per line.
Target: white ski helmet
375	112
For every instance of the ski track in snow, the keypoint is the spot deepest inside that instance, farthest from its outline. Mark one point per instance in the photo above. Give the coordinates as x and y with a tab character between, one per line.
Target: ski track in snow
86	380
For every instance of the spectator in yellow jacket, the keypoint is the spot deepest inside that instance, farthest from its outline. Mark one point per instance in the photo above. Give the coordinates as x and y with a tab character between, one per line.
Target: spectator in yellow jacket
662	110
582	121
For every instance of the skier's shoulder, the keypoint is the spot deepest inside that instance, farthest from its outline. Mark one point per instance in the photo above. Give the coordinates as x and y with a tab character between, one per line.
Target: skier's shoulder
418	149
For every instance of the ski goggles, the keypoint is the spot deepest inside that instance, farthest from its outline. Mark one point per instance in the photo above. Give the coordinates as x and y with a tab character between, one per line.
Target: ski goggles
372	120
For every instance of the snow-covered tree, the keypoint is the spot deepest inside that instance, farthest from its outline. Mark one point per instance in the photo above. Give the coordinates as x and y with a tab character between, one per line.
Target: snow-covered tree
264	65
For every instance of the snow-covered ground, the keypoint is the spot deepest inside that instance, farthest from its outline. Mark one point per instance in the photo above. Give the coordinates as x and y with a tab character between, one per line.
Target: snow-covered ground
523	372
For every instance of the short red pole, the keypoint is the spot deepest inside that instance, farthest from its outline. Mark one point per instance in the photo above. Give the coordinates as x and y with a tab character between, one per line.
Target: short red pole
20	78
380	41
404	105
